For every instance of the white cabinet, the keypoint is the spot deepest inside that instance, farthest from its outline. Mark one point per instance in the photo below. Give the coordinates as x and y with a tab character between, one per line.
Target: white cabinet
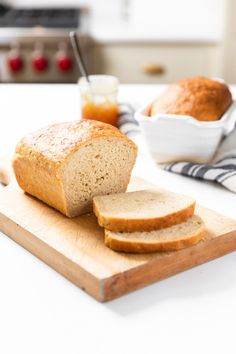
156	62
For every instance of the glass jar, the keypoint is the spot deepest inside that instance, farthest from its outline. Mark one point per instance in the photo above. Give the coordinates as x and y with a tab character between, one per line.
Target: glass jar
99	98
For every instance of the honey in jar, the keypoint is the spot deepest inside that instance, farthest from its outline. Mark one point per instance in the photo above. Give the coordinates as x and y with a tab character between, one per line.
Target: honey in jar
99	98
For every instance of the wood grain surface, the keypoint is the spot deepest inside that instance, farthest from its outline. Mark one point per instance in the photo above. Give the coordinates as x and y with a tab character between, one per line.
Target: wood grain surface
75	247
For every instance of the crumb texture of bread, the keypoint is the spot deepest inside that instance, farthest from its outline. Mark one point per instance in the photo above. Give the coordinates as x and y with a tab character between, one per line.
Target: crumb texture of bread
172	238
143	210
199	97
65	165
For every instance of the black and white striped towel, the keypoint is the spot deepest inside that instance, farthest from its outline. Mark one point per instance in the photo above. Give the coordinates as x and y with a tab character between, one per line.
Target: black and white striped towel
221	170
127	123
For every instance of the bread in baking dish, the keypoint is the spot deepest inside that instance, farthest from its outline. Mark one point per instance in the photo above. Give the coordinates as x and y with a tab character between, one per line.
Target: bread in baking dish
202	98
67	164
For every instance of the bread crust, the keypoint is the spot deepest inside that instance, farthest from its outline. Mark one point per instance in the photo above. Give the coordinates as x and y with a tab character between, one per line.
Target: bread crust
40	155
54	143
149	224
159	246
199	97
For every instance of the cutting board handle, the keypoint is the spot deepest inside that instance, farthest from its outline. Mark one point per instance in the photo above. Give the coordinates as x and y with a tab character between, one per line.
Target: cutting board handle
5	171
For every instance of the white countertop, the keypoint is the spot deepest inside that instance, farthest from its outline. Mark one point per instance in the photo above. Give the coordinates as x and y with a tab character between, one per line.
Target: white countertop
41	312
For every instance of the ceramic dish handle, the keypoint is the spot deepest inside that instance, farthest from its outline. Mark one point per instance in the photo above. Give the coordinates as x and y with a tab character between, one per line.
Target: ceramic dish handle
230	119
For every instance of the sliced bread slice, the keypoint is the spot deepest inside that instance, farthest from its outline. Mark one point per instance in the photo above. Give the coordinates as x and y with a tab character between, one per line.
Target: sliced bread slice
144	210
172	238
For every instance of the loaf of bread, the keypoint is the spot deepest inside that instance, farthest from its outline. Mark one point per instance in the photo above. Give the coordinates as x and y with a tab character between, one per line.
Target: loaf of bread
142	210
199	97
171	238
65	165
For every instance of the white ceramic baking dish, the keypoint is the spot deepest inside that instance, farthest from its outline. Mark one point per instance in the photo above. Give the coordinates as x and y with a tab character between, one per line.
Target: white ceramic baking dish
173	138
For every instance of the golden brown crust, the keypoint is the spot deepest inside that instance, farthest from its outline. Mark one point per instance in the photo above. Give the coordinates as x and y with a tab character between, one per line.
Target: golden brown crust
40	180
130	225
199	97
39	155
159	246
55	142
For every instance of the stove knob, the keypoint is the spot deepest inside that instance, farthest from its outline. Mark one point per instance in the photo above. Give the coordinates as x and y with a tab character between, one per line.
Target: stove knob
40	62
15	62
64	63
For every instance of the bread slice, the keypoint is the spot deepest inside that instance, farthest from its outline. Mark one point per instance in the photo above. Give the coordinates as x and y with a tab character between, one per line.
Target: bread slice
169	239
144	210
65	165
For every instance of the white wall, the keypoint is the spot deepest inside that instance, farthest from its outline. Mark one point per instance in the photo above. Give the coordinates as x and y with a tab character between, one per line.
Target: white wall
165	18
179	18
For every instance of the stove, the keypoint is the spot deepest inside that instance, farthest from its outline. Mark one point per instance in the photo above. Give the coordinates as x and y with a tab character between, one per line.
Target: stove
45	17
35	45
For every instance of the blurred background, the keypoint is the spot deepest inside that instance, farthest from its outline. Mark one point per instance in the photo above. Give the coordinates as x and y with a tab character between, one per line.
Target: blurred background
139	41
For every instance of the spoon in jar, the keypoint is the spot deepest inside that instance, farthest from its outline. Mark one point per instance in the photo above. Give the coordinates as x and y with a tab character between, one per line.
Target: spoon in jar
78	55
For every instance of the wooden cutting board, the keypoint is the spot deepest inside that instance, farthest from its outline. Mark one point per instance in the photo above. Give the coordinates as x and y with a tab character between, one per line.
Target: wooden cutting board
75	247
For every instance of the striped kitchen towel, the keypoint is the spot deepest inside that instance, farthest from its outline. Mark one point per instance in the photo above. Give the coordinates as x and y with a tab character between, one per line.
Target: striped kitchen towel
126	122
221	170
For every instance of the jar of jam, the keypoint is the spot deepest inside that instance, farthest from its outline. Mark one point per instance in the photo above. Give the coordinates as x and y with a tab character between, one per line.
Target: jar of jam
99	98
